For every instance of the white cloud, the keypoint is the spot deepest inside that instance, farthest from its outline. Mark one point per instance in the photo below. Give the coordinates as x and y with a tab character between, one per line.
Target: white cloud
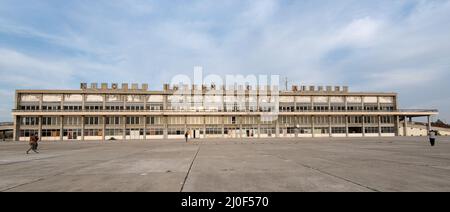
403	78
359	32
367	45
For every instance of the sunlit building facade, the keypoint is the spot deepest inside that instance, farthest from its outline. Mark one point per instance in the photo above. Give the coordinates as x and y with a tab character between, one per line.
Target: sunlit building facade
121	112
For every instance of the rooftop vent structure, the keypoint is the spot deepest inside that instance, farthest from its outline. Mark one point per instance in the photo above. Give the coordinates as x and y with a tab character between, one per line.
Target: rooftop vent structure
144	86
345	88
166	87
337	89
134	86
125	86
320	88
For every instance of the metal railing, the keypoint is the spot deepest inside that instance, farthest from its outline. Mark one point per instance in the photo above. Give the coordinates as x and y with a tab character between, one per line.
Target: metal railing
418	110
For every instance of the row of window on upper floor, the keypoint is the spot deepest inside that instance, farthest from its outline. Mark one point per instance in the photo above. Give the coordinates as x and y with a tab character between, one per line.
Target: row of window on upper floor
225	108
200	98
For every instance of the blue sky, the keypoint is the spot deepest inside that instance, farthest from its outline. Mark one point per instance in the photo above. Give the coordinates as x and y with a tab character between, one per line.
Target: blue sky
401	46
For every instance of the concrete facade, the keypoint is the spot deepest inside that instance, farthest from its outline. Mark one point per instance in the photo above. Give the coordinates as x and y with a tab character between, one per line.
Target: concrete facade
103	113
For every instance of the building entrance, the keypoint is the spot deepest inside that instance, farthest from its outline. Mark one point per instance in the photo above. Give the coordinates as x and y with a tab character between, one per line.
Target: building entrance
195	133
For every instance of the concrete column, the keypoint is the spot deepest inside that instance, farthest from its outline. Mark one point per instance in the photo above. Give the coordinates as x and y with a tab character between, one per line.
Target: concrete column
295	104
82	127
397	126
313	119
164	102
329	103
329	127
62	103
185	124
405	126
41	97
345	103
83	103
17	101
145	127
124	127
145	102
378	103
104	102
363	129
259	130
165	127
346	125
362	104
395	103
296	124
125	102
61	128
204	130
40	127
277	128
103	128
204	127
428	124
379	125
240	126
16	129
223	127
16	119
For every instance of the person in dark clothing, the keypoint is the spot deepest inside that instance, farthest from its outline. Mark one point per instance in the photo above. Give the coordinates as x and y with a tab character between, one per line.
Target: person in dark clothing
186	134
33	143
432	136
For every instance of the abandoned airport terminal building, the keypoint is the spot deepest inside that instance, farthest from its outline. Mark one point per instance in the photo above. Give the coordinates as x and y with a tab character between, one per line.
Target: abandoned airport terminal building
110	111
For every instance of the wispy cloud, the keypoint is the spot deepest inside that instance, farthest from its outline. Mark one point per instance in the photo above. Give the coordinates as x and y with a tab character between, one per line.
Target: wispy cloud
400	46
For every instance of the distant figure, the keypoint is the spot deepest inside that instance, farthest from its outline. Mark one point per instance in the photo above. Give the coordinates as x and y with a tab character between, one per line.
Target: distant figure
432	136
186	134
33	143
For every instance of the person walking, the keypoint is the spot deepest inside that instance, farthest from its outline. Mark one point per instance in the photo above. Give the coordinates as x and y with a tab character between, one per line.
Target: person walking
432	136
33	143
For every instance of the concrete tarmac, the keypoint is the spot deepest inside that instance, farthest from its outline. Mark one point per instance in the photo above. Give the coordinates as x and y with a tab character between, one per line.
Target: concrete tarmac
284	164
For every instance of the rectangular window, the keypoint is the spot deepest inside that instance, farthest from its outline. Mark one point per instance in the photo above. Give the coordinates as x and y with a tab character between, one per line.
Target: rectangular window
154	131
51	120
387	130
72	120
93	132
91	120
113	120
387	119
371	130
29	121
28	133
133	120
338	130
50	133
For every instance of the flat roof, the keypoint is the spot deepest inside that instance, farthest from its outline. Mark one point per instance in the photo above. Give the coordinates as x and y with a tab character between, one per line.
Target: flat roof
169	92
